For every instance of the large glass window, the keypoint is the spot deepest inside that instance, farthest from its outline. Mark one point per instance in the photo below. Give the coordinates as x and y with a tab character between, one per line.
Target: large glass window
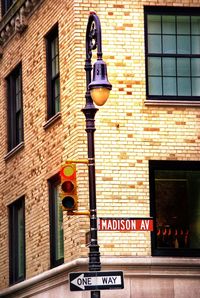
17	241
15	109
53	75
175	206
56	223
173	53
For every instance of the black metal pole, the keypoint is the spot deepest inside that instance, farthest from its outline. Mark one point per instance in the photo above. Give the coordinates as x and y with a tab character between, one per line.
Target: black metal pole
93	41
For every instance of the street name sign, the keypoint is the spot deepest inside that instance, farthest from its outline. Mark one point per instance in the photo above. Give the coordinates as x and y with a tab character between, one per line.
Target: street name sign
125	224
96	280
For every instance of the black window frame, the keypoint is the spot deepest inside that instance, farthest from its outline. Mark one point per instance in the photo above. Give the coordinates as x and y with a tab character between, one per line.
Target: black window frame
53	183
5	5
177	11
155	165
52	35
14	276
15	108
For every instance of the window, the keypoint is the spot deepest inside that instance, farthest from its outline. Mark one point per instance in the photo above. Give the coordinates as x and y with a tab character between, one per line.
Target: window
15	114
17	241
172	53
53	76
5	5
175	206
56	223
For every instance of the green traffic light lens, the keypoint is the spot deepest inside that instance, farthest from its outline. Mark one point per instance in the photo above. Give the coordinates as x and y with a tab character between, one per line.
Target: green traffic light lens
68	202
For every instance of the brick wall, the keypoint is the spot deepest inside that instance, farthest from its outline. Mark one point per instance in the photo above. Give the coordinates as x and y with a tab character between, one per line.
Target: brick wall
129	133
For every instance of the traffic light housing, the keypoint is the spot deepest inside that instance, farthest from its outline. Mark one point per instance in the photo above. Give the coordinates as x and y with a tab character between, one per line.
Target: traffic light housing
69	187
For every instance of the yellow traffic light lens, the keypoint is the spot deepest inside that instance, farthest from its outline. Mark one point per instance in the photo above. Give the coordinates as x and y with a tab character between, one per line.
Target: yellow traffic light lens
68	202
68	171
67	186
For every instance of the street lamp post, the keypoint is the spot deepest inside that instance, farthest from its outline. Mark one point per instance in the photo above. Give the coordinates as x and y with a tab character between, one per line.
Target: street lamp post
97	90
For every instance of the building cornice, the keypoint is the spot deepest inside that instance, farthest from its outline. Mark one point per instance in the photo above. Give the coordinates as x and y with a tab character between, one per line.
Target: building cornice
16	20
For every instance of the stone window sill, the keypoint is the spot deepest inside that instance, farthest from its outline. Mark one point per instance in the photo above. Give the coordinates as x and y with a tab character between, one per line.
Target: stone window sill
14	151
52	120
183	103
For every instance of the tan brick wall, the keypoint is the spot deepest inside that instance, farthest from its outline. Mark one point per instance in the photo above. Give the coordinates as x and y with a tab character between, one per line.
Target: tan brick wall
128	134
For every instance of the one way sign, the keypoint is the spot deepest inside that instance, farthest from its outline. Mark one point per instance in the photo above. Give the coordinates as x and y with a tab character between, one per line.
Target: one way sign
97	280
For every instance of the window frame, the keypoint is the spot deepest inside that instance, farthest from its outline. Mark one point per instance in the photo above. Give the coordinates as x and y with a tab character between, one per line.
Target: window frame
177	11
52	35
14	113
14	276
168	165
52	184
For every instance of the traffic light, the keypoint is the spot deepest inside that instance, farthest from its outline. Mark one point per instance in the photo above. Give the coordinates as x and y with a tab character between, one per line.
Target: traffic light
69	187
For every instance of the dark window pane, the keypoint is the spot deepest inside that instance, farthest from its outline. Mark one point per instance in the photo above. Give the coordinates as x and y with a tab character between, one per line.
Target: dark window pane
57	95
169	86
154	24
183	44
20	230
196	45
54	47
195	24
195	63
18	84
184	86
183	67
18	127
168	25
154	44
155	86
15	111
54	57
56	223
55	67
172	209
154	66
196	86
17	241
53	77
18	102
174	190
169	66
59	240
57	88
169	44
177	207
183	25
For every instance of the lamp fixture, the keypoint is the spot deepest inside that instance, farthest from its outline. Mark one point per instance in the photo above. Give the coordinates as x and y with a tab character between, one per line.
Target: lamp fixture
100	86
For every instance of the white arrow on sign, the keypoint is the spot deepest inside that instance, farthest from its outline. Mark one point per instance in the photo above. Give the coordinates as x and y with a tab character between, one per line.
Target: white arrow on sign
83	282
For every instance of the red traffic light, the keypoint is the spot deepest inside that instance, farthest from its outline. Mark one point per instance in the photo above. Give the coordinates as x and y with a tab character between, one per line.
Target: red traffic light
67	186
